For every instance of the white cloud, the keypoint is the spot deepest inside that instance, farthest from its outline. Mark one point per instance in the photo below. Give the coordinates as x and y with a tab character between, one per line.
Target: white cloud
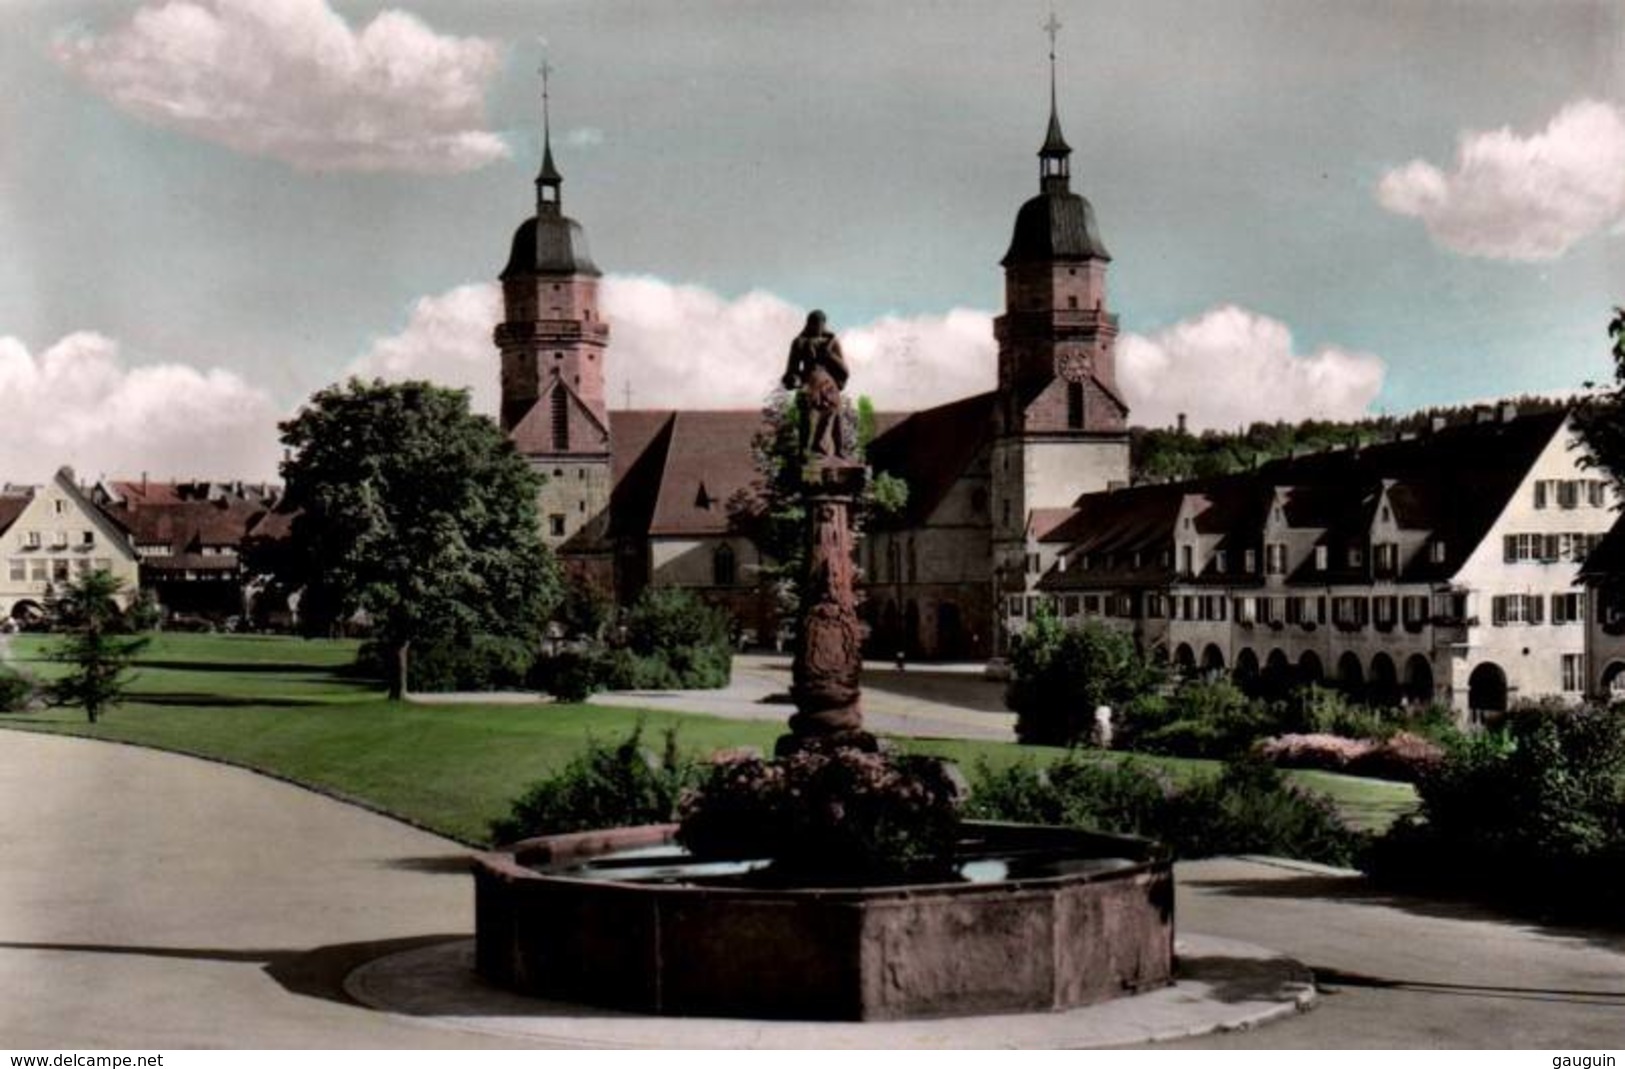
1229	366
77	404
447	339
688	347
289	79
1521	198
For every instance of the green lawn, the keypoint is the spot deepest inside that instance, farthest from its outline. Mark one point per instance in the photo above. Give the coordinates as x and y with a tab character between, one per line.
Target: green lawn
283	706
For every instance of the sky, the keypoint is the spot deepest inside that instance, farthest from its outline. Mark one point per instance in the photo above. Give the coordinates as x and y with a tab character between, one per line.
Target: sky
210	209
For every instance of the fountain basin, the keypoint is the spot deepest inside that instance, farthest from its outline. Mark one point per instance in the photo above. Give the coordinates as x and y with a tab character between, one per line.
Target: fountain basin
1037	919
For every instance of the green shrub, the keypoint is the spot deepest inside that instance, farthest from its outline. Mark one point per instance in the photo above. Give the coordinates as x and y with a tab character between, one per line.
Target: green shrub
480	663
1247	808
1202	718
606	786
668	619
1060	675
1124	797
17	690
573	675
1326	711
1533	811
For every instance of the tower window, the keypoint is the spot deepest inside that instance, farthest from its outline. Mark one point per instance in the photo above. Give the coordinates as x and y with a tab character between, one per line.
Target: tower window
1072	300
561	420
1074	405
555	525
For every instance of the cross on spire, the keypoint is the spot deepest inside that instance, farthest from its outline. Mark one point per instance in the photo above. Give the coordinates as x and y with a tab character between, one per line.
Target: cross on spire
548	180
1053	170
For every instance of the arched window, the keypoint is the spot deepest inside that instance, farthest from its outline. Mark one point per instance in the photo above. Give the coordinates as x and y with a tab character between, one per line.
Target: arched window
723	566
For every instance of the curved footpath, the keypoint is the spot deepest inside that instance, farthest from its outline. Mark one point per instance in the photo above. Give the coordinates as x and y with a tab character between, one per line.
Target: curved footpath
149	900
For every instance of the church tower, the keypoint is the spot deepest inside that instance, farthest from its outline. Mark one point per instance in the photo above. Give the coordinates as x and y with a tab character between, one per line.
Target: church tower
1062	425
553	342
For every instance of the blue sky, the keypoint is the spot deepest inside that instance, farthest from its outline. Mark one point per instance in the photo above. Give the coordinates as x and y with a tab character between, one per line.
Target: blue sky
210	210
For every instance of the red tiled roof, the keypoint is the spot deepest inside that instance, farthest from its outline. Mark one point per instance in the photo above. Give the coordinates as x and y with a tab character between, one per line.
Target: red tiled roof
186	526
12	506
708	462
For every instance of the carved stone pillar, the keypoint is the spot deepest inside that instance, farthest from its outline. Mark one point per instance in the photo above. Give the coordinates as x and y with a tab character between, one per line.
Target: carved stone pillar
829	646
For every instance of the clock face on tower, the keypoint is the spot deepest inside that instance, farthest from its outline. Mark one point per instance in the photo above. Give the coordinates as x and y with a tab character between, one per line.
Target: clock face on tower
1073	365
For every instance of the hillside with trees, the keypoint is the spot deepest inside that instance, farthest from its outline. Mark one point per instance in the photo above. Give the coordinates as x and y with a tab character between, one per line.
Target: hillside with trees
1167	454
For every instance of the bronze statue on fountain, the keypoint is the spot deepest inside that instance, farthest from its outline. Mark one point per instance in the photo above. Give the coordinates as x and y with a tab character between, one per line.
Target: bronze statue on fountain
829	640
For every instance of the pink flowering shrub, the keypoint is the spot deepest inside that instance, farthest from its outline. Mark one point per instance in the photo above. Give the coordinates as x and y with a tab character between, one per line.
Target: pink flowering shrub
1402	756
831	810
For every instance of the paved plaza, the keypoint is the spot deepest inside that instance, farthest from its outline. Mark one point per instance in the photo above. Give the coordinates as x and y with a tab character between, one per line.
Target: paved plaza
150	900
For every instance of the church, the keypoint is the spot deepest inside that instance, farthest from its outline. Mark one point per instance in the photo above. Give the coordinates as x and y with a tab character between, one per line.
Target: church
640	497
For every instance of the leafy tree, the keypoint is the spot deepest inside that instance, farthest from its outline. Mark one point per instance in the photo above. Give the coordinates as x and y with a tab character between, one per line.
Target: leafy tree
771	512
415	512
1601	417
1061	674
96	646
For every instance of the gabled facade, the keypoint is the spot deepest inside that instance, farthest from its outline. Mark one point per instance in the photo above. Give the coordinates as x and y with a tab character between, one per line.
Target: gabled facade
51	535
1435	568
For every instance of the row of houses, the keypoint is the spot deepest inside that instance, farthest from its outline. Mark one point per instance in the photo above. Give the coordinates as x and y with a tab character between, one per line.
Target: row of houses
1449	566
180	540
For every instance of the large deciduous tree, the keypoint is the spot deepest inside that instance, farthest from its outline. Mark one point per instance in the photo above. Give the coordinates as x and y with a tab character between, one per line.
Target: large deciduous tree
1600	418
416	512
95	647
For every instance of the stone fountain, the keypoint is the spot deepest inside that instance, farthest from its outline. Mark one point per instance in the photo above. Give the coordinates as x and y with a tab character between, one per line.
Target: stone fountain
1026	918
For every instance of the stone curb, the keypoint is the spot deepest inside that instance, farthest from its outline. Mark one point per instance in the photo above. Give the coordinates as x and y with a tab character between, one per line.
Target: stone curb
1224	986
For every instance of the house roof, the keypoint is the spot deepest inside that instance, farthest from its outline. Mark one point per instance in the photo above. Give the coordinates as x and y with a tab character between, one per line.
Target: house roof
1607	560
187	526
12	506
1454	483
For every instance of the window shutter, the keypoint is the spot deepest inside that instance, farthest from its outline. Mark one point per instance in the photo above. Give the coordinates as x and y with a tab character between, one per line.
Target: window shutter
1510	542
1549	548
1535	607
1498	610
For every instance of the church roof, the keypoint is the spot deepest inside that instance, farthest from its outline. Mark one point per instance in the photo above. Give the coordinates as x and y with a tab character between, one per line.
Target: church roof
678	473
1055	225
549	243
931	449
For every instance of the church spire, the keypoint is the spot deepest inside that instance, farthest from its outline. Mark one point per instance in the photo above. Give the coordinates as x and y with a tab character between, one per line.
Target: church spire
548	179
1053	167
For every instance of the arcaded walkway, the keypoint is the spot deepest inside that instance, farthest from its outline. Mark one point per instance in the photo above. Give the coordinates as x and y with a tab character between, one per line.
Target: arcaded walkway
149	900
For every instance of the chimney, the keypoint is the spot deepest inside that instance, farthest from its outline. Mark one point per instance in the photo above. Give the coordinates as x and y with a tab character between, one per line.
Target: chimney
1508	411
1484	414
1436	423
1181	421
143	484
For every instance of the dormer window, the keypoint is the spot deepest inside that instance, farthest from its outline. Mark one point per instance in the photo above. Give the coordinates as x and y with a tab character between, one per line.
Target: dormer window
1221	561
1436	552
1356	557
1250	561
1321	555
